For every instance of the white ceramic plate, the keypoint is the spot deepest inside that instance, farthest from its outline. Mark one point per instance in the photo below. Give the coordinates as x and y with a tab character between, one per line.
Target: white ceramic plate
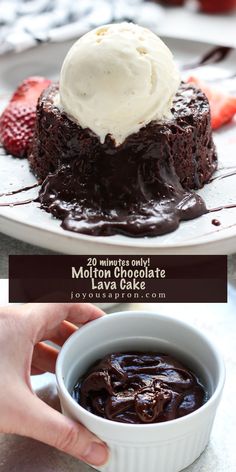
198	236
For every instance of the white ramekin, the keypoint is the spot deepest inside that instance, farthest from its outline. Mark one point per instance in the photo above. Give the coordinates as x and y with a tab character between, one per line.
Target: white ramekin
163	447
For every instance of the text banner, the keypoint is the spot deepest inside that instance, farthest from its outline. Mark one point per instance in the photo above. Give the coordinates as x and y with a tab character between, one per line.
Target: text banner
121	279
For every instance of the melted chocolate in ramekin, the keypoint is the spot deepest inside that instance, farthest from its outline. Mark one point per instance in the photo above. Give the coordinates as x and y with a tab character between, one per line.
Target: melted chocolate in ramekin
137	387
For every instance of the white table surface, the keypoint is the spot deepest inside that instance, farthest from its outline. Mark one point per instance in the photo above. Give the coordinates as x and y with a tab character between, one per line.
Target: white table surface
218	321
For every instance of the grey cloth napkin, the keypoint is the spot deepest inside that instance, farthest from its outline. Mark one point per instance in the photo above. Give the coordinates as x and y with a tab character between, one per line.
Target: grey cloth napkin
25	23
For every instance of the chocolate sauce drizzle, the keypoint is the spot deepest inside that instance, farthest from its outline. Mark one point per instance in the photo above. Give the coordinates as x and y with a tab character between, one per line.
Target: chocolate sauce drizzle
222	176
17	203
213	56
137	387
222	207
23	189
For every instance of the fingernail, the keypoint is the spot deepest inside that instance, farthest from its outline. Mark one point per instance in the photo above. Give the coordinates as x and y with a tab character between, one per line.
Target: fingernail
96	454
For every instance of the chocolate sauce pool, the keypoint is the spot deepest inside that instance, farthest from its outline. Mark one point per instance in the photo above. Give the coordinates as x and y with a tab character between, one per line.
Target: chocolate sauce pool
137	387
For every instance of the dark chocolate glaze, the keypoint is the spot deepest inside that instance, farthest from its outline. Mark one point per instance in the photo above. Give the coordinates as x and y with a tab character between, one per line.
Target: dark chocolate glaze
140	188
137	387
214	56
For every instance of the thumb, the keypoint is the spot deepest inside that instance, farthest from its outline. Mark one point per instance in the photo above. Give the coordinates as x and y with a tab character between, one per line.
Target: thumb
47	425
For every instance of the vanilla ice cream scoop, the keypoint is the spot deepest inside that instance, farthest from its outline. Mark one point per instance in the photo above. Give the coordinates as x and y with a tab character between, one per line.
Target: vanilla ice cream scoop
117	79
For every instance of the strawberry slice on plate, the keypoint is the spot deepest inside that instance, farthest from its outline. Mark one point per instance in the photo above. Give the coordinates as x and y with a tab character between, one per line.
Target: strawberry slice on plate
18	119
223	105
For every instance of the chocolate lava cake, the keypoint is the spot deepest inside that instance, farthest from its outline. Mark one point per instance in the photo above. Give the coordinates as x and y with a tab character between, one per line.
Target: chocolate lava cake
139	188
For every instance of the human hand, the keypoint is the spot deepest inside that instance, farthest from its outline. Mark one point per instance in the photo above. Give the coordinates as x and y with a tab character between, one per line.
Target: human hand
22	351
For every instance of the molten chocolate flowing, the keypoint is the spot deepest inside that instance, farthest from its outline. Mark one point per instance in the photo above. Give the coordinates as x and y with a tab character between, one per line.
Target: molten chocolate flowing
138	387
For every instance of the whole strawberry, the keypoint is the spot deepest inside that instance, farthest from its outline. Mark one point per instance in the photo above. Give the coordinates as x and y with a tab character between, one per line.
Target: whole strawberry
217	6
18	119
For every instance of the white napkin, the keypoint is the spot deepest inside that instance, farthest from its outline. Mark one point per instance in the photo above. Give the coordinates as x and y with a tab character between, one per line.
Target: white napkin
25	23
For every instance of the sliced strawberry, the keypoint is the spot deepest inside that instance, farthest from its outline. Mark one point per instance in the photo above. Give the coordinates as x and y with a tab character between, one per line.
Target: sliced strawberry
18	119
223	105
30	90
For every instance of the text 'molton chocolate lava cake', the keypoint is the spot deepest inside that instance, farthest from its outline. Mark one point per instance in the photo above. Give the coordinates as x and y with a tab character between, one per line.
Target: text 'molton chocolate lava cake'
120	141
